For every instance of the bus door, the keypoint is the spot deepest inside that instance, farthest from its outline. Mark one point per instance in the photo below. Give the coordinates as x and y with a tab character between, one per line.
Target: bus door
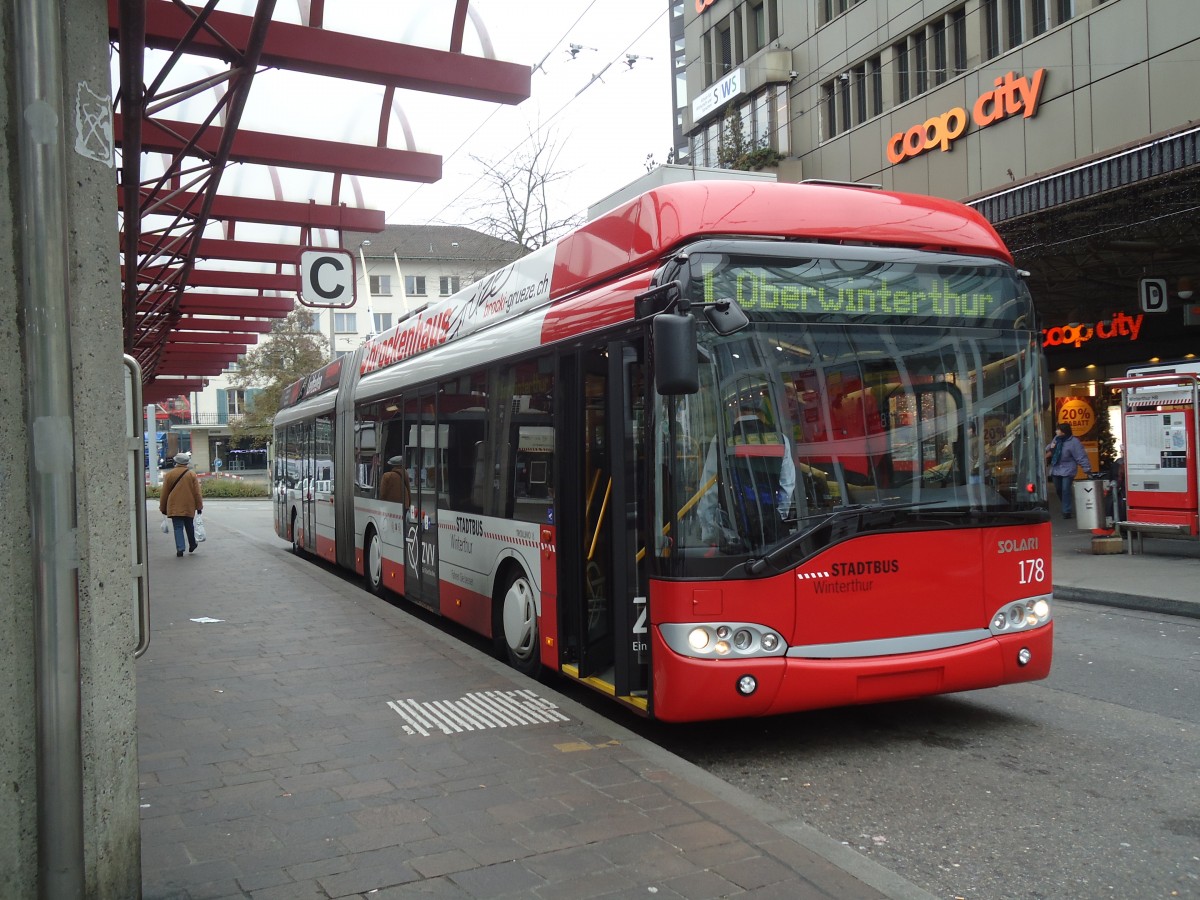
608	623
423	452
308	473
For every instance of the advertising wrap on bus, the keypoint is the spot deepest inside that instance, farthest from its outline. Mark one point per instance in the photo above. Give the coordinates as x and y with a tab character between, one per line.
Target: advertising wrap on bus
837	497
512	290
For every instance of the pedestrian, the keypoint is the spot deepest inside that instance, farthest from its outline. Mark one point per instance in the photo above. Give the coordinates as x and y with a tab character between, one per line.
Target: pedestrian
1066	456
394	484
182	501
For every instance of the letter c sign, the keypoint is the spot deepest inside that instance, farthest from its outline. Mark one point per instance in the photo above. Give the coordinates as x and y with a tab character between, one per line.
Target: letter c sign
938	131
327	278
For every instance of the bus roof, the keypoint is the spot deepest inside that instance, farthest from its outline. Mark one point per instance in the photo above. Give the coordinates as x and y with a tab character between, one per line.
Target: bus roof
650	225
642	231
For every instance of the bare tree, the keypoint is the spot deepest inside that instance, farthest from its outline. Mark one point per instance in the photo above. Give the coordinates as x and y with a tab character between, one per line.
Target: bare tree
292	351
520	188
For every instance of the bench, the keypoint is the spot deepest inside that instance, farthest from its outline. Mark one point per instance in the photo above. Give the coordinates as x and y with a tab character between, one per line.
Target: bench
1142	530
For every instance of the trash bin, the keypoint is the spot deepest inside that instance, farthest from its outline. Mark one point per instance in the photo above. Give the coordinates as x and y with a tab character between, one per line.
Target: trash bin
1089	504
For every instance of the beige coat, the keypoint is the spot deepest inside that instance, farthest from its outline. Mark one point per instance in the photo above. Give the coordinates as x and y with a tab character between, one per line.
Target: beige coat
185	498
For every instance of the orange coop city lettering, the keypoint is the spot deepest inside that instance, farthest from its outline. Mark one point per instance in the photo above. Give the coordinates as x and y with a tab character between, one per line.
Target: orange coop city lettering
1011	95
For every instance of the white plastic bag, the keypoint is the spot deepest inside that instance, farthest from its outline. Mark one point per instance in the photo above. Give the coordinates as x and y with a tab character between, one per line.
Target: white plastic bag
166	525
198	527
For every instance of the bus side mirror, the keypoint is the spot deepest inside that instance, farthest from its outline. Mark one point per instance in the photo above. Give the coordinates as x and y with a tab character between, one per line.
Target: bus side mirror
676	369
726	317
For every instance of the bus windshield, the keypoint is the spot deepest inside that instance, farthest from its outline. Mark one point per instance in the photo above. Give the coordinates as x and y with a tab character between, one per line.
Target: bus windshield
816	424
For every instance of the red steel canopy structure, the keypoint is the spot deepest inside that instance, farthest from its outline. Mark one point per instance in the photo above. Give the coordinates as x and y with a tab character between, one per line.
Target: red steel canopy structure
182	322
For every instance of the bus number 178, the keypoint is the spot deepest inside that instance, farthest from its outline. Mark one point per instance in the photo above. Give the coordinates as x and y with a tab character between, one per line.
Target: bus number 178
1032	570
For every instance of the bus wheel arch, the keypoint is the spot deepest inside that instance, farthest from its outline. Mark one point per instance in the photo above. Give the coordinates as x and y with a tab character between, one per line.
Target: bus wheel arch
515	620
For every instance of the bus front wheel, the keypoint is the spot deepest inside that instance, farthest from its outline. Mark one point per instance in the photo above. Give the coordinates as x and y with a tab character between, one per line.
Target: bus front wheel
518	632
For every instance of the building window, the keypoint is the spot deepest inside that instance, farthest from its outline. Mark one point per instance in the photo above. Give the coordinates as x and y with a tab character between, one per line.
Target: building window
937	36
382	322
449	284
875	71
758	26
903	90
235	399
782	124
414	285
831	9
858	86
958	30
381	285
345	323
1041	17
724	48
921	61
991	28
1066	11
843	100
830	104
1016	30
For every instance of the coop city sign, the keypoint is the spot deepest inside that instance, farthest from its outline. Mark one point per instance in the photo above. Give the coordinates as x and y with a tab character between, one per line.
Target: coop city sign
1011	95
1121	325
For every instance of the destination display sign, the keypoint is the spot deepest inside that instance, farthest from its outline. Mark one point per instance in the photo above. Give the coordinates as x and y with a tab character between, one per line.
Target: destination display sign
854	290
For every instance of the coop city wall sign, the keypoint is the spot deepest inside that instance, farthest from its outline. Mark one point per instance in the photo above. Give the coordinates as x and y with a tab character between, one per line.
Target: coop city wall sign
1121	325
1011	95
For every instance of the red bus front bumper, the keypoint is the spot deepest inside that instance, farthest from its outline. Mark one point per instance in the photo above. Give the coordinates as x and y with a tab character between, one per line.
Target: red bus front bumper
687	689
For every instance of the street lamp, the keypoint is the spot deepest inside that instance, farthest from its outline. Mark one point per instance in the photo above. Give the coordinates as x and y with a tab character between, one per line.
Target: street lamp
217	463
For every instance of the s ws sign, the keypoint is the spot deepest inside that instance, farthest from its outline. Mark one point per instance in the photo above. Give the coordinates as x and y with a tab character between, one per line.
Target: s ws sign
327	277
719	94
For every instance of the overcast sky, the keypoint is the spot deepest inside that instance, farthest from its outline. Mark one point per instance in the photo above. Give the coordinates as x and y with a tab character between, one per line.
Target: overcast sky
606	127
606	132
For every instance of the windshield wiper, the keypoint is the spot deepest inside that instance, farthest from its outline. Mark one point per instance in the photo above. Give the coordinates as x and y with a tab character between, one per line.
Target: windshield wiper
864	511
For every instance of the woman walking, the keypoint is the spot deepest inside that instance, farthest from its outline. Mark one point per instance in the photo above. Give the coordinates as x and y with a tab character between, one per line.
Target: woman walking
1066	456
181	500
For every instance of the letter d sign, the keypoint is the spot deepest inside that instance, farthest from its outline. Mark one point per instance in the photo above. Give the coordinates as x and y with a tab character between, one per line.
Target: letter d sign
1153	292
327	277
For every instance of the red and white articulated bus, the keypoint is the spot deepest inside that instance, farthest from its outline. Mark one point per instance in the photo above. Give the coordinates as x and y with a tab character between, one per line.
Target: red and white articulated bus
729	450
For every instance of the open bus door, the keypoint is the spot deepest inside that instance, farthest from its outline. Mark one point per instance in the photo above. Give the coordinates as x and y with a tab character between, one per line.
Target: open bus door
604	613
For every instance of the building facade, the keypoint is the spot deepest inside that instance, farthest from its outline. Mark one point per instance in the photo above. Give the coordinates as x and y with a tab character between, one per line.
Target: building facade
398	271
1070	124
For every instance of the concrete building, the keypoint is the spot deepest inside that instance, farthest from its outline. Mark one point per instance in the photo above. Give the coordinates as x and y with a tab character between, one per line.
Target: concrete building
1070	124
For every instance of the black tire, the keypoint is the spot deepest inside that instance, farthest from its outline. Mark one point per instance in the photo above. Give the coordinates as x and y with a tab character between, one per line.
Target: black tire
516	617
373	563
296	548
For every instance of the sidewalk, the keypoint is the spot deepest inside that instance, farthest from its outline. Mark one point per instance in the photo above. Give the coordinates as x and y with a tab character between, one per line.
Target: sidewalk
290	749
299	738
1165	578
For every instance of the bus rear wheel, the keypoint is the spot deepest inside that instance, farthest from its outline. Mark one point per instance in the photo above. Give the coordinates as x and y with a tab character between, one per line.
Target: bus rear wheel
518	631
296	548
373	564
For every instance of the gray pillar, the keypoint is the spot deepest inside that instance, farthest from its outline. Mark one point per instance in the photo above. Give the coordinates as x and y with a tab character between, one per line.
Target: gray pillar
64	528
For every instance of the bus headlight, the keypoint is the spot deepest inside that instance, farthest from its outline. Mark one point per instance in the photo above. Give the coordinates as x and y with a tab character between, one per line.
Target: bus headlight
722	640
1022	615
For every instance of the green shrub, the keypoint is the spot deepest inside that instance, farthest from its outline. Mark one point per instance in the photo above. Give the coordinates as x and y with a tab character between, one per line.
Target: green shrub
215	486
